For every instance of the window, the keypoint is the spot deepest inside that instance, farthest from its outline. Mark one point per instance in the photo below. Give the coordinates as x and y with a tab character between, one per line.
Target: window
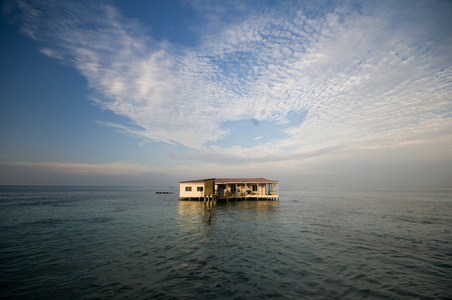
200	188
188	188
254	188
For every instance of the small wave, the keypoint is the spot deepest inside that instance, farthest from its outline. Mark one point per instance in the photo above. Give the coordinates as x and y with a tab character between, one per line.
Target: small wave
53	221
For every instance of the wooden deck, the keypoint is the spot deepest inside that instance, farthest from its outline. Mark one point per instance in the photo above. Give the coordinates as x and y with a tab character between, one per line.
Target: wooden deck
232	198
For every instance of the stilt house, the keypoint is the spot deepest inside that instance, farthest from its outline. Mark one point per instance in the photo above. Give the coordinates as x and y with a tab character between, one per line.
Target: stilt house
229	189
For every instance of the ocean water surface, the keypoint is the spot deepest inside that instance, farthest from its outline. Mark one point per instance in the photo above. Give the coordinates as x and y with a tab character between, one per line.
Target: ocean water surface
119	242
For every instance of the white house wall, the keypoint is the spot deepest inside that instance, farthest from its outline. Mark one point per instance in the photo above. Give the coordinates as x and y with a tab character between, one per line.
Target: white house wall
194	193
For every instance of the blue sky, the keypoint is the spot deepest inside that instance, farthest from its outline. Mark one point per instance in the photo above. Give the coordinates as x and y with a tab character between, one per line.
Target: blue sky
154	92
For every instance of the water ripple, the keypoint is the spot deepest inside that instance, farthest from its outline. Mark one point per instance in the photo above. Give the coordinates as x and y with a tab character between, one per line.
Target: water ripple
319	244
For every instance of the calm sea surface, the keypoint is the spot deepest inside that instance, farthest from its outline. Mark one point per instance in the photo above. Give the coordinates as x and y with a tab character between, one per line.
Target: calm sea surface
115	243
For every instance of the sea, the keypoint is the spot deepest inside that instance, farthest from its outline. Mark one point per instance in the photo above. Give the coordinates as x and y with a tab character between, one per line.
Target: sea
314	243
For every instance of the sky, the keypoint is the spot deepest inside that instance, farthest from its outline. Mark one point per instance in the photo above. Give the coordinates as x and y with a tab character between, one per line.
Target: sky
311	93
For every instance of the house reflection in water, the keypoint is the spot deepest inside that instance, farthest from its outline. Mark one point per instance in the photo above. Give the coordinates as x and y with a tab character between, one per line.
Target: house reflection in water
191	213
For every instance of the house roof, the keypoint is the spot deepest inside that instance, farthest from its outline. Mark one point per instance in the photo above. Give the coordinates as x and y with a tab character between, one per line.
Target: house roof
233	180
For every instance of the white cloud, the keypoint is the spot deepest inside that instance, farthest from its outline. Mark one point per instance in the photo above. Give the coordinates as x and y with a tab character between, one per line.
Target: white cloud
362	77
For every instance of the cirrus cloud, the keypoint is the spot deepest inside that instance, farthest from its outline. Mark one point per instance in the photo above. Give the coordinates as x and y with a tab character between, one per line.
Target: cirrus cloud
379	74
